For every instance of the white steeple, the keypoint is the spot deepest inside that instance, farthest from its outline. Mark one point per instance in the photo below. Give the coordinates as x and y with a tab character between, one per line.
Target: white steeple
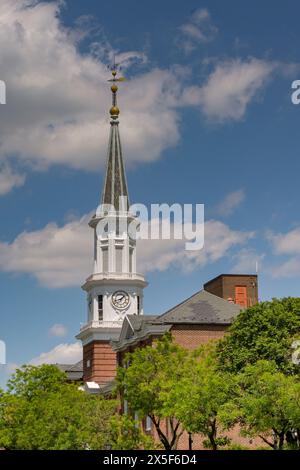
114	289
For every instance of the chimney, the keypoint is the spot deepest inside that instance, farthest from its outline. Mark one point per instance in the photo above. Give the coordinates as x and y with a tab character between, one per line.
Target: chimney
241	289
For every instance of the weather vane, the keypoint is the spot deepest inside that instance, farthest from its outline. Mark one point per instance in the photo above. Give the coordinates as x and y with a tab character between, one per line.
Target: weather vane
114	68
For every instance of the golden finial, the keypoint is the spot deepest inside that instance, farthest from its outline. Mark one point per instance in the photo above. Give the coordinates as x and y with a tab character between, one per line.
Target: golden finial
114	110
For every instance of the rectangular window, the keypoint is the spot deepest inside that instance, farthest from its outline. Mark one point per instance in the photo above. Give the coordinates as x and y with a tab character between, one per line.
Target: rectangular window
119	254
105	259
117	227
138	304
130	260
100	307
148	424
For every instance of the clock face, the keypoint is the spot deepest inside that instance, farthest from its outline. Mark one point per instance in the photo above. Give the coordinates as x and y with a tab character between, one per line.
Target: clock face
120	300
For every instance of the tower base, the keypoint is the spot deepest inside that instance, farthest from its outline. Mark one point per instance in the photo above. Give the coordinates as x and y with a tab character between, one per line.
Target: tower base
99	362
99	359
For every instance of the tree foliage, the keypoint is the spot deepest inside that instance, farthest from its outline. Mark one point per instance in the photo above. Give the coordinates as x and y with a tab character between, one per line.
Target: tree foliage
248	377
266	403
199	396
41	411
30	381
150	376
264	331
127	434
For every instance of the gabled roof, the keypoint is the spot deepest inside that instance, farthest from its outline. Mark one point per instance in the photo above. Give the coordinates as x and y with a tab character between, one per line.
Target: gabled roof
202	308
73	371
138	327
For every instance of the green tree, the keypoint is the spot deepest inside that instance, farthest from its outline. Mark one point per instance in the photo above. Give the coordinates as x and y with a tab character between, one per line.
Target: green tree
42	411
266	404
148	378
29	381
127	434
199	396
264	331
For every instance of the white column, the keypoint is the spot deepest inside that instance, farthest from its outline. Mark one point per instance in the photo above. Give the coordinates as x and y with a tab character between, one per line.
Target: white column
95	252
134	259
126	256
111	255
95	308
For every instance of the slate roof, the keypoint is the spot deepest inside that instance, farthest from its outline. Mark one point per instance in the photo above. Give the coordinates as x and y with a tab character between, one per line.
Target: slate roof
136	328
74	371
203	308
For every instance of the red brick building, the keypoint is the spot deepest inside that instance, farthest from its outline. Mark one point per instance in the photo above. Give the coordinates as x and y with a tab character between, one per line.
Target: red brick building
197	320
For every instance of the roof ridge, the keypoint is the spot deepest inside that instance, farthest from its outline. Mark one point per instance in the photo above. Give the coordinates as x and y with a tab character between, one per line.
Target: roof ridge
78	365
181	303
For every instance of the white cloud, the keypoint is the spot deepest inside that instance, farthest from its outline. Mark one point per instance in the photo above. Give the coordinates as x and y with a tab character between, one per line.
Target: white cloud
62	256
58	330
286	243
58	97
288	269
230	88
198	29
9	179
231	202
61	354
162	254
248	260
55	256
11	368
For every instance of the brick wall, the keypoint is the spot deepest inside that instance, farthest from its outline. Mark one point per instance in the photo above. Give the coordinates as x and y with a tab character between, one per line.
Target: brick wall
215	286
224	286
192	336
102	362
232	434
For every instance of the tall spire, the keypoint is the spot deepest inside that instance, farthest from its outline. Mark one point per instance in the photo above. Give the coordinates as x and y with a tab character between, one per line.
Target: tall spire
115	185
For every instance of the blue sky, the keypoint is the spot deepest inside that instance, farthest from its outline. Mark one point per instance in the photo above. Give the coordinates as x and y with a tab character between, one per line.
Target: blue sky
206	117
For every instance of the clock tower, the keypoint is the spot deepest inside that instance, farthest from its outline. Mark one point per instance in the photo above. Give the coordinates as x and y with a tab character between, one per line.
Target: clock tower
114	289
